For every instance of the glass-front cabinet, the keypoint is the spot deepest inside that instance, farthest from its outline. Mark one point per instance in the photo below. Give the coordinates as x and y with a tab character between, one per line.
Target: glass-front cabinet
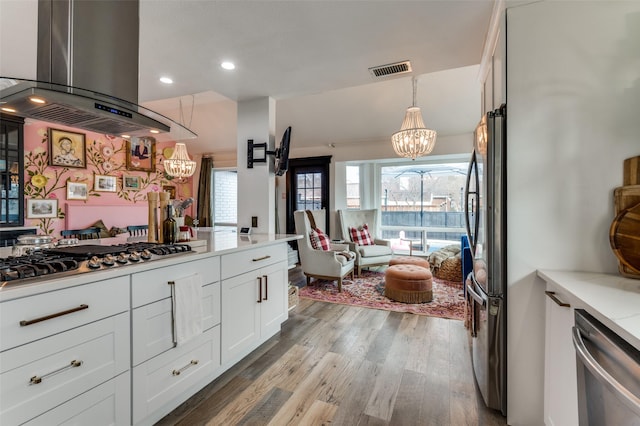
11	171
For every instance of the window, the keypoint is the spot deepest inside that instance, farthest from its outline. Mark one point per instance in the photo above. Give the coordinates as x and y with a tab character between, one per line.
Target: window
353	187
225	201
309	190
423	202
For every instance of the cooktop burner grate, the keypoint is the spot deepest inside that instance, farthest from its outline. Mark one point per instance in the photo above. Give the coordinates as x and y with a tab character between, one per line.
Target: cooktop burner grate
73	260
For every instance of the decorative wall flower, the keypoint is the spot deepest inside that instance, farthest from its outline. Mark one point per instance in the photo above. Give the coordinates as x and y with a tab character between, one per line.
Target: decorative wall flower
107	166
107	151
39	181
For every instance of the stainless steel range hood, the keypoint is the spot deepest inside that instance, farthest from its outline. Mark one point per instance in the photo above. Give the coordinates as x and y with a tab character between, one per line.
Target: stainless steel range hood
88	110
87	49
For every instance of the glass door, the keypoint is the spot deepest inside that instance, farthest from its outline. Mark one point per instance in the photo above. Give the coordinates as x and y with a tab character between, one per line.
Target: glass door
308	188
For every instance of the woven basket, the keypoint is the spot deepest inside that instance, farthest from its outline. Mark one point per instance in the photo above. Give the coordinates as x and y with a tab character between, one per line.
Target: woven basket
450	269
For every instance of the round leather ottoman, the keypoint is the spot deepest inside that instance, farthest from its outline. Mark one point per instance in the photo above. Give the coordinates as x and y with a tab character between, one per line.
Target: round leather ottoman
409	260
408	283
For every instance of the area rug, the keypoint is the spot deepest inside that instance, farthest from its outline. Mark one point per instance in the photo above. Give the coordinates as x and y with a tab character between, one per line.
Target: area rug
368	291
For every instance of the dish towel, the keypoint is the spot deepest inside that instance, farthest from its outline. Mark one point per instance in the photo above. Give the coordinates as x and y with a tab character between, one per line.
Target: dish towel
187	306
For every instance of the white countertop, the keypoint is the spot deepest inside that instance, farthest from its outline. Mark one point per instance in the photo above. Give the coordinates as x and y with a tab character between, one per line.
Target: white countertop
612	299
208	244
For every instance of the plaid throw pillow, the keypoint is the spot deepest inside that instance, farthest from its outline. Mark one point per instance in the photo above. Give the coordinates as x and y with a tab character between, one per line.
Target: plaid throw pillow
319	240
361	236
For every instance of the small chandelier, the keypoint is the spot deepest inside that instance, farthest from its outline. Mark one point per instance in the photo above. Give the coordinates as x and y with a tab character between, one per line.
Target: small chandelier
414	139
179	165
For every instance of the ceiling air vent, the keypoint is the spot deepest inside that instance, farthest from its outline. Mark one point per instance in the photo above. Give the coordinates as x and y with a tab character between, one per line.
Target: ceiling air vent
390	69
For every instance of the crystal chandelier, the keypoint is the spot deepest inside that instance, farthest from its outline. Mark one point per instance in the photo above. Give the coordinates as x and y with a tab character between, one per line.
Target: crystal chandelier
414	139
179	165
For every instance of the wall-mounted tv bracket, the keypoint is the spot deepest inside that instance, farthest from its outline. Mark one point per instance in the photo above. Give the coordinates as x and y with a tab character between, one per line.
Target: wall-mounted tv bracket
257	148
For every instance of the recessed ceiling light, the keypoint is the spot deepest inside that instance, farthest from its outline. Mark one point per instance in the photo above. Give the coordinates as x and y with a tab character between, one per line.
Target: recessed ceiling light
37	100
125	136
166	80
7	109
228	65
154	131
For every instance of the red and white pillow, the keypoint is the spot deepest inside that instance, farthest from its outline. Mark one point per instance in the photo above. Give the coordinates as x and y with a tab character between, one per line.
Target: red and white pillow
361	236
319	240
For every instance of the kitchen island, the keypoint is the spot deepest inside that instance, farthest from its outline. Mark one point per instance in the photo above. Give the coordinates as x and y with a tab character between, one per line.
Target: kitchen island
101	346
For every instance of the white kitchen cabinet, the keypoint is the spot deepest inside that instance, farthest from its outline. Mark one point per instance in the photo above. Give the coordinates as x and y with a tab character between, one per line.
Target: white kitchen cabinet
560	382
106	404
152	323
164	375
41	375
31	318
255	302
164	382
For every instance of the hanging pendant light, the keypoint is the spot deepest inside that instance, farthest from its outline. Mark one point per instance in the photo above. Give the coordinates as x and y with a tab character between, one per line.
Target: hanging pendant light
414	139
180	165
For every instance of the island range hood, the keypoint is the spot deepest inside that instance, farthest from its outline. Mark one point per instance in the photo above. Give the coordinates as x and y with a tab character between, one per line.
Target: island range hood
87	72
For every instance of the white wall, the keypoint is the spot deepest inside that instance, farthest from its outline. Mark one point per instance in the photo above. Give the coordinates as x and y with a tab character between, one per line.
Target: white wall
256	186
573	96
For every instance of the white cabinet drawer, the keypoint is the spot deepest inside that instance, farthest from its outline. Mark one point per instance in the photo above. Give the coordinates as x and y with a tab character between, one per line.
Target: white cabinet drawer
248	260
171	376
150	286
39	376
66	308
107	404
152	326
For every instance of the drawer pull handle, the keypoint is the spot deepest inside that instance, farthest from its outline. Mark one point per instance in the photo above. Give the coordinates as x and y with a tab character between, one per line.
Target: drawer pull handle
180	370
258	259
38	379
266	288
259	289
552	296
48	317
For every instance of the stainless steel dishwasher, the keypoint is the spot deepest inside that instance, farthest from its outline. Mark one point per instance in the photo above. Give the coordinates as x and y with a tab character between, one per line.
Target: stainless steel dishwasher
608	375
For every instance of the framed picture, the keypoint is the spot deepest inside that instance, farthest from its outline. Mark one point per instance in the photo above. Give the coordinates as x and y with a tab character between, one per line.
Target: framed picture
104	183
77	190
141	154
67	149
171	190
131	182
42	208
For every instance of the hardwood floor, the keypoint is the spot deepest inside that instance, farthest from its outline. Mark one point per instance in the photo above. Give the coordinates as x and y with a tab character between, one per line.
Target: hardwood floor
343	365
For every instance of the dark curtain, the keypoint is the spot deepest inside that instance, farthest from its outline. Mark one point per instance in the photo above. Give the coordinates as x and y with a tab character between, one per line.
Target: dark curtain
205	203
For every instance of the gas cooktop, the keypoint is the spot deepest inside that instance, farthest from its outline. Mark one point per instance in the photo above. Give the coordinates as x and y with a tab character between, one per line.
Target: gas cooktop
66	261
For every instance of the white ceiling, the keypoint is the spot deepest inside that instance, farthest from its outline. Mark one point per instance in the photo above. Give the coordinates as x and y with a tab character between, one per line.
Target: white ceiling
312	57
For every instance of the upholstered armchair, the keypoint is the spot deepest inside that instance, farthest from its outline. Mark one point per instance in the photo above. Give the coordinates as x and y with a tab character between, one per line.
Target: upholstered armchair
318	263
375	254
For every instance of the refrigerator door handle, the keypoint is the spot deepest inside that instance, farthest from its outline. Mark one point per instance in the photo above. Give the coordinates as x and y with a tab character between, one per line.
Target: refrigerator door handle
479	299
471	173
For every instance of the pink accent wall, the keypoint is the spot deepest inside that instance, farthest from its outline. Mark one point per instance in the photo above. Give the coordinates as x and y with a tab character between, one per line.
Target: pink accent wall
105	155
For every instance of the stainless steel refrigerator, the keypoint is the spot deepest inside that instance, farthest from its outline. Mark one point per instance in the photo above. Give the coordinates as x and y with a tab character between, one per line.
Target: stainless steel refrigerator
486	285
